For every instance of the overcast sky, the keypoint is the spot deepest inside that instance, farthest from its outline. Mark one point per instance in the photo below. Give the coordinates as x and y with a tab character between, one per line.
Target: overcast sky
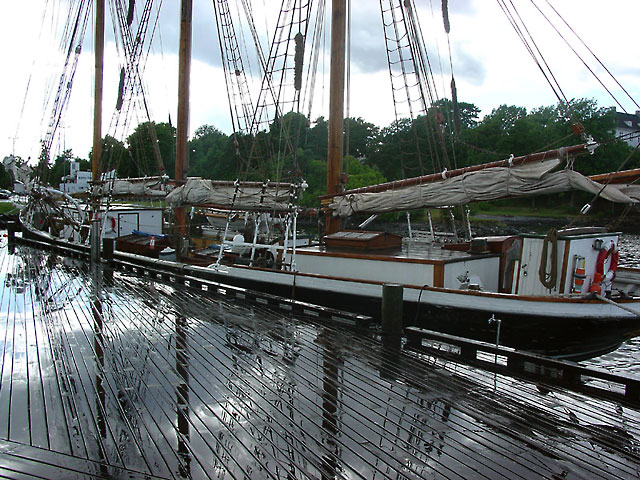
490	64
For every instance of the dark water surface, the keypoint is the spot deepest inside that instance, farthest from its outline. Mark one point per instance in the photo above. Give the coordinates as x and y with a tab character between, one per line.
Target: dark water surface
108	375
626	358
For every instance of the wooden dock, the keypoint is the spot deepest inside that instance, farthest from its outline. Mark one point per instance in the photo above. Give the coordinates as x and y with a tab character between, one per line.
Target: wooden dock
108	374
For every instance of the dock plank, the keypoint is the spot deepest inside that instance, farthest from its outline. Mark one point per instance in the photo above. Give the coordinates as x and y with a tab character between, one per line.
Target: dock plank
123	376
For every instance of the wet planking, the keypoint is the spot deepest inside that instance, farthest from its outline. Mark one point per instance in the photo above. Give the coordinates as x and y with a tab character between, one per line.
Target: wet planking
128	377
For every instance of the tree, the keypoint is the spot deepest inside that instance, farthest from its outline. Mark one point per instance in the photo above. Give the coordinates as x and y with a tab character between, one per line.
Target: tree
42	169
60	167
210	154
318	138
115	156
361	175
468	114
362	137
6	181
142	159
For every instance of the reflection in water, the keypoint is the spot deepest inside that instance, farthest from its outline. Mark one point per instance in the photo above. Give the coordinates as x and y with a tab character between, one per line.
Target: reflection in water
98	343
182	396
330	399
143	378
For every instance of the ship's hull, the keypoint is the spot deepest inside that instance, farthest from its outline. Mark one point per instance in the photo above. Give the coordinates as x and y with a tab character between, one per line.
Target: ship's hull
566	326
573	327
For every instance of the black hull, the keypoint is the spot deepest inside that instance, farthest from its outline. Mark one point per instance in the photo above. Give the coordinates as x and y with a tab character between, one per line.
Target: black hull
561	337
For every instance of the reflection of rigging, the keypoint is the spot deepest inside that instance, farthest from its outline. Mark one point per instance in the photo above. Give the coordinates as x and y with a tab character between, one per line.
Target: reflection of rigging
182	396
330	413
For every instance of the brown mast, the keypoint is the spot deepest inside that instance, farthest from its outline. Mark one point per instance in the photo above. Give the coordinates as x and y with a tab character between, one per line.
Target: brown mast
97	93
182	130
336	106
97	128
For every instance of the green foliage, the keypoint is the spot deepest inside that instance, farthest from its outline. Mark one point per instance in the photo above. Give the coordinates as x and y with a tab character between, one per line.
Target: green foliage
143	157
115	155
61	167
291	149
362	137
42	169
361	175
211	154
6	181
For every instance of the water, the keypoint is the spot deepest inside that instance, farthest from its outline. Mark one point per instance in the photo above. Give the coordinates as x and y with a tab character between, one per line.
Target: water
626	359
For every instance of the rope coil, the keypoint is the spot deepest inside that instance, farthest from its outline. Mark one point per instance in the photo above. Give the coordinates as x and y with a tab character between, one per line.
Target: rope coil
548	279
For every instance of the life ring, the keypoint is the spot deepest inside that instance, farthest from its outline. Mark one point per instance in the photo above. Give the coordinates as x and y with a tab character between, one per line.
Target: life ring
599	276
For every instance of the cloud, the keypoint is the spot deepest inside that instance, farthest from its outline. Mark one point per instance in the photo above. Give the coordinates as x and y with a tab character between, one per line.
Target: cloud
468	67
490	64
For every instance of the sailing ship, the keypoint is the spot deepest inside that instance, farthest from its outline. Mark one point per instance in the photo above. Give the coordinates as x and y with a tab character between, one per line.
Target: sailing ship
565	281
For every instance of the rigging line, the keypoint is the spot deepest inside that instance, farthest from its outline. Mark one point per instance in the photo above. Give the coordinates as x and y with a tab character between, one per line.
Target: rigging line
134	55
519	33
605	184
448	112
282	39
224	67
538	50
423	64
64	88
318	36
455	105
72	14
241	35
594	55
233	65
424	73
393	25
266	76
24	100
578	55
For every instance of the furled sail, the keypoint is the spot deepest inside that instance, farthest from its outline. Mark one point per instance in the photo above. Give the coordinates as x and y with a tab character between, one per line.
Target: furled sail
234	195
535	178
144	188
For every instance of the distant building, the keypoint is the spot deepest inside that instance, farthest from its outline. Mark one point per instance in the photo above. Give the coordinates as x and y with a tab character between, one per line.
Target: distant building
628	127
77	181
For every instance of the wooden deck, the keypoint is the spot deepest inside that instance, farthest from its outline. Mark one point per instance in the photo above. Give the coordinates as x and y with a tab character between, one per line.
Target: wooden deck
109	375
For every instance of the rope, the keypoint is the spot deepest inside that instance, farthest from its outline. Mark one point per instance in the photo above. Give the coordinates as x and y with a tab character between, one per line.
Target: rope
594	56
548	279
577	54
611	302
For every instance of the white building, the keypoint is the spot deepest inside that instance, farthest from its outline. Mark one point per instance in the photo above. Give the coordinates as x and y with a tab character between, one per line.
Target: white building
77	181
628	127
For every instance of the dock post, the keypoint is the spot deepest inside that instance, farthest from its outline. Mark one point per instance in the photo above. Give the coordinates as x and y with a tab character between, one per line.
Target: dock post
11	236
11	231
392	298
107	249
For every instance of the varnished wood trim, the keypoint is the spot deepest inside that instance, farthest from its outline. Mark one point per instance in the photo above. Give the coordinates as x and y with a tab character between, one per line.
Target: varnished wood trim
565	266
438	275
519	268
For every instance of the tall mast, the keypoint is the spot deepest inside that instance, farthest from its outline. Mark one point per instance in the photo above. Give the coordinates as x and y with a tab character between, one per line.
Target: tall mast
97	128
182	131
336	106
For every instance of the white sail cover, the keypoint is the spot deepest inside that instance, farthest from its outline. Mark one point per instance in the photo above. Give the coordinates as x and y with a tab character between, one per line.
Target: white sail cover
534	178
200	191
125	188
